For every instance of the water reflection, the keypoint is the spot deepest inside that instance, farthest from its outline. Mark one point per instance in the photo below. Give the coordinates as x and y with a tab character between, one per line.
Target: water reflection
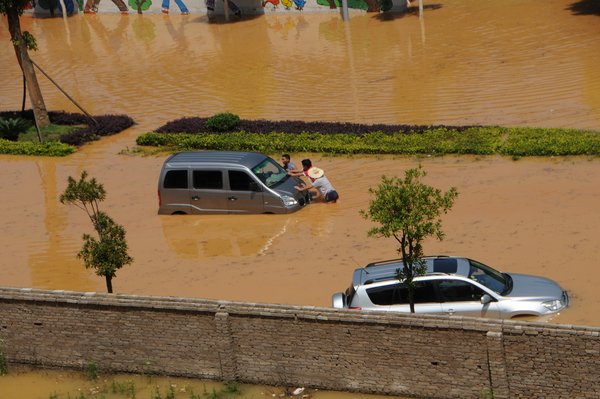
53	256
504	65
198	237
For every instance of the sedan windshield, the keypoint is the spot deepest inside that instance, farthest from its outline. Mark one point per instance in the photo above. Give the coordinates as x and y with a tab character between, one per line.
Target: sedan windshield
487	276
270	172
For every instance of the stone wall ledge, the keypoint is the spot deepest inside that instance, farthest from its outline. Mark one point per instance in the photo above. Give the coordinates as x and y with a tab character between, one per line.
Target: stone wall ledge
241	309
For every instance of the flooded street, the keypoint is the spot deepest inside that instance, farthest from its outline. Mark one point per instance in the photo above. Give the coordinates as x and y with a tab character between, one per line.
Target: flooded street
468	62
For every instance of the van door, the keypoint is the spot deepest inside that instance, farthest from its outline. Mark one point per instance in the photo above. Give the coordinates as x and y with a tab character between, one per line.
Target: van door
208	193
245	193
174	192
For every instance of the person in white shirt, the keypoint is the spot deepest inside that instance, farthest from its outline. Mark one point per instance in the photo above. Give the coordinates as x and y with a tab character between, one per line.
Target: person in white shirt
321	183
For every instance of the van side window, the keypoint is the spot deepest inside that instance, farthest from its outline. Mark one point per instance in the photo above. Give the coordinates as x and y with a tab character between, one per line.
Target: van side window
239	181
208	179
176	179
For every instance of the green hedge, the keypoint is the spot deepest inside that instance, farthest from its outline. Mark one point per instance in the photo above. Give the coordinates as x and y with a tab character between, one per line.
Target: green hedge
548	142
51	148
478	140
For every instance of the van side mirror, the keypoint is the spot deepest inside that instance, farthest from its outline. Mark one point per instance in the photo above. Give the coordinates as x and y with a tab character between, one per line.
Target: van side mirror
253	186
485	299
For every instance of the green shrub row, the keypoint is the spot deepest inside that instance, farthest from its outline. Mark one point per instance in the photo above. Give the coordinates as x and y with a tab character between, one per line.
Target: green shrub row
51	148
477	140
548	142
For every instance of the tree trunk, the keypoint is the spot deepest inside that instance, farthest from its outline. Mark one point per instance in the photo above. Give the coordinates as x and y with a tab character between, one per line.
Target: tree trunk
35	94
411	298
109	284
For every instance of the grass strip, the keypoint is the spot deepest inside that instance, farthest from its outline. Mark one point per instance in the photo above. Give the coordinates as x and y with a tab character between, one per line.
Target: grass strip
516	142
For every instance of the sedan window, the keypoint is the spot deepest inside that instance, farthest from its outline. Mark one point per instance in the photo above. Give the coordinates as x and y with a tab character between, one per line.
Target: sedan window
425	292
459	291
397	294
383	295
487	276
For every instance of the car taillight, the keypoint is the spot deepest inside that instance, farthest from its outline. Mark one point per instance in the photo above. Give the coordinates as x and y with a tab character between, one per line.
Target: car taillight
354	308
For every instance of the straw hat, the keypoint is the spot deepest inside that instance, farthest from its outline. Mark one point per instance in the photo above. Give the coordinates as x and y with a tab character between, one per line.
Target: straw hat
315	173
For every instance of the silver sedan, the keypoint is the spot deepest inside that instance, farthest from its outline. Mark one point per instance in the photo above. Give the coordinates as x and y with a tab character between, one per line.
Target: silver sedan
453	285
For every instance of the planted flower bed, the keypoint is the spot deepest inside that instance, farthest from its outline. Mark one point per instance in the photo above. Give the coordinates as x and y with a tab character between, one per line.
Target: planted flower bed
229	132
66	132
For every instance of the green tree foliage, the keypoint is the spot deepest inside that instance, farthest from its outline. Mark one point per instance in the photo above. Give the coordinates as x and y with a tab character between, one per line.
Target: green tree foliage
409	211
18	5
223	122
108	252
11	128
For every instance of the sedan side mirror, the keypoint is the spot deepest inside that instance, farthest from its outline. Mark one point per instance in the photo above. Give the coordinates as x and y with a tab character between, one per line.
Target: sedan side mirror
486	298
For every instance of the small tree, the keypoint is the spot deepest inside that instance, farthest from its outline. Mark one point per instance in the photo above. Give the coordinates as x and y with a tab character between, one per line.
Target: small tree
409	211
107	253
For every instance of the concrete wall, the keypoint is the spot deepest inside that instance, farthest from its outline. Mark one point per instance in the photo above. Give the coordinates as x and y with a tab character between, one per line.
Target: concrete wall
424	356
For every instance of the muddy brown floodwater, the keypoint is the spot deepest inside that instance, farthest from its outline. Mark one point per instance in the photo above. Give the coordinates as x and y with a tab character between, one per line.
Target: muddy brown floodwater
466	62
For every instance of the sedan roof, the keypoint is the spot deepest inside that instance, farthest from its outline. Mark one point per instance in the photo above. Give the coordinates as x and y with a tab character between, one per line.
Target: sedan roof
386	270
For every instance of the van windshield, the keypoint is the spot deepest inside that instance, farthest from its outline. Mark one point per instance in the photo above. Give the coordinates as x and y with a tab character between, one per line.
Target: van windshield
270	172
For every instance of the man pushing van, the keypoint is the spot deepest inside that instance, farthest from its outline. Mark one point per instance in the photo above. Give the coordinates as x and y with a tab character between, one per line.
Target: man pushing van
323	186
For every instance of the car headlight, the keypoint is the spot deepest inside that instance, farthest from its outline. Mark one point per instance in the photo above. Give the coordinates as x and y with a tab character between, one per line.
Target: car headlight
289	201
554	305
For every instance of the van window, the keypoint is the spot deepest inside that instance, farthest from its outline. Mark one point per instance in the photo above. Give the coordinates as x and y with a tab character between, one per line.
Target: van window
239	181
270	172
208	179
176	179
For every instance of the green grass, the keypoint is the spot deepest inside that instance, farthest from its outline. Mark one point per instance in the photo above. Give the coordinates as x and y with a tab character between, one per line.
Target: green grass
28	142
51	148
49	133
516	142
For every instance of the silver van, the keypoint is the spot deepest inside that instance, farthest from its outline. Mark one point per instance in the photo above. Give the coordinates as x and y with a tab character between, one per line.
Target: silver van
226	182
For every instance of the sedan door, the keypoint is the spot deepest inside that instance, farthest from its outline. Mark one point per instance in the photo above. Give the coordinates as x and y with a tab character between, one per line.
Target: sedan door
425	296
463	298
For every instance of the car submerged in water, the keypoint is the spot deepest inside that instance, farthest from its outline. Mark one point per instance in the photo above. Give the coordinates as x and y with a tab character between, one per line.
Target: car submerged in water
210	182
453	286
